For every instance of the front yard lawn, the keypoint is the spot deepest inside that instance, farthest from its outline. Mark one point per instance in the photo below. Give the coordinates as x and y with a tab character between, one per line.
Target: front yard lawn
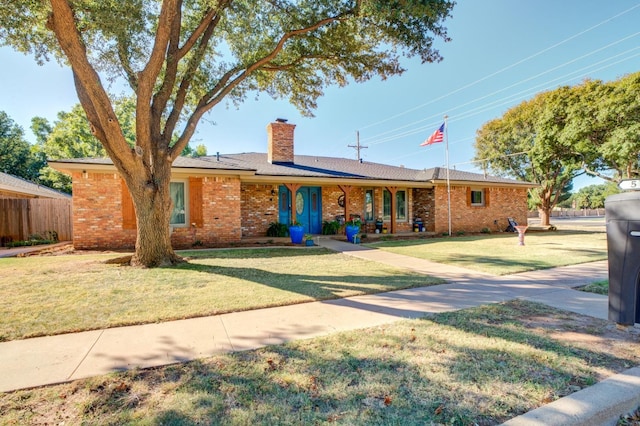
478	366
500	254
45	295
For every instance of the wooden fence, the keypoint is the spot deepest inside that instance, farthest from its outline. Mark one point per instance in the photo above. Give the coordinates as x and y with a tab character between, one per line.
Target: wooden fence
20	218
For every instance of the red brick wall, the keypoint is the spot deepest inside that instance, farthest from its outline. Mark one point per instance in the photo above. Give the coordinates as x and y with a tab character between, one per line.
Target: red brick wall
259	208
221	213
98	218
232	210
503	203
97	212
424	207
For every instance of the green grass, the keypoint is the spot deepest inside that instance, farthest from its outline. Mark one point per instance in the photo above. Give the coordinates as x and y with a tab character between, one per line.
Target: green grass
501	254
598	287
479	366
45	295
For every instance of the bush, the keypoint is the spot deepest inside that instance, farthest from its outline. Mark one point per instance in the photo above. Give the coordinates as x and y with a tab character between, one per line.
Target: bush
277	229
47	237
330	227
486	231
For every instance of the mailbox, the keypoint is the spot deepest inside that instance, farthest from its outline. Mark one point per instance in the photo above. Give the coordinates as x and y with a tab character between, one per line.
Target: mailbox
622	213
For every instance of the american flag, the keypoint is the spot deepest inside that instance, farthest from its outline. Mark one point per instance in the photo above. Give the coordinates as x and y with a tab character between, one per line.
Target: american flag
437	136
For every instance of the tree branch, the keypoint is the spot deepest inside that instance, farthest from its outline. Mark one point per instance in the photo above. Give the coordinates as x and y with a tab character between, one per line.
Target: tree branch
227	83
148	77
90	90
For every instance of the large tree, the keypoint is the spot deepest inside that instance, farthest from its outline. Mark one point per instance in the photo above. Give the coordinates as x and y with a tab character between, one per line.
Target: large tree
528	143
605	123
182	58
16	155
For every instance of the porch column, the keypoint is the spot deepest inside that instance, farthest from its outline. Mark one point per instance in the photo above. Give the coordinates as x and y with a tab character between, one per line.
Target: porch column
392	190
346	189
293	187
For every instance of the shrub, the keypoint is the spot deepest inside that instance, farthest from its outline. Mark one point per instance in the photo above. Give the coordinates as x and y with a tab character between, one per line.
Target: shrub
277	229
486	231
330	227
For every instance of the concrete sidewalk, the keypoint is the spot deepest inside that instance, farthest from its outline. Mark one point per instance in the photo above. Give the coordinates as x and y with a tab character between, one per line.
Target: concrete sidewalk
56	359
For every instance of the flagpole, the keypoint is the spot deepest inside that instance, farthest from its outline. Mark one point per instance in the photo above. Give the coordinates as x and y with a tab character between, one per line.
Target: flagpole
446	139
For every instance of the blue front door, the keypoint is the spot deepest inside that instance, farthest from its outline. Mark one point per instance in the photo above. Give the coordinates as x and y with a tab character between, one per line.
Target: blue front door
307	204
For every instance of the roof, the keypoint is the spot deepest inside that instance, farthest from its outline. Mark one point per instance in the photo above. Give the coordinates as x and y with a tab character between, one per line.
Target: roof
313	167
11	183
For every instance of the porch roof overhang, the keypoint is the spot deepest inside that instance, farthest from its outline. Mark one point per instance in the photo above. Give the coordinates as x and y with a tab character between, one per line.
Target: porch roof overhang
326	181
70	166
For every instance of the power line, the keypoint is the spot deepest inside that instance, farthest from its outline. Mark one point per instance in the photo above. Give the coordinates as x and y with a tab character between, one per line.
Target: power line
508	67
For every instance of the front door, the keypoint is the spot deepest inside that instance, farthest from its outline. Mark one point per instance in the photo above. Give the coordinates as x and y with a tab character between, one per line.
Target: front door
308	207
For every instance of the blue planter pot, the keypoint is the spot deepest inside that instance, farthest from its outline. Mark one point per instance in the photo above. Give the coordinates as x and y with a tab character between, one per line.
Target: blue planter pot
296	233
351	230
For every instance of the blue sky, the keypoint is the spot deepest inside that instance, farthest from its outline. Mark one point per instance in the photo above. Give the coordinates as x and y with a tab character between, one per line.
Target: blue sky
502	52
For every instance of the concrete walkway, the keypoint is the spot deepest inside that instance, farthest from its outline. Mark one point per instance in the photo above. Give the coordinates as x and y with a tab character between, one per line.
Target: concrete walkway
57	359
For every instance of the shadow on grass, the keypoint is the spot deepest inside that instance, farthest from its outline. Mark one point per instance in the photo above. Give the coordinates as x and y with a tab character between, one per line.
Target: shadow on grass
317	287
512	266
410	373
257	253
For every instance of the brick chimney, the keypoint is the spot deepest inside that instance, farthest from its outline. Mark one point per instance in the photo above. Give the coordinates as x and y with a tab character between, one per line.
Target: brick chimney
280	141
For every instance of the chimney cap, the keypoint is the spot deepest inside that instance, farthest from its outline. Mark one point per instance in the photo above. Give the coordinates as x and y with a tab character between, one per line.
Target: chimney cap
281	120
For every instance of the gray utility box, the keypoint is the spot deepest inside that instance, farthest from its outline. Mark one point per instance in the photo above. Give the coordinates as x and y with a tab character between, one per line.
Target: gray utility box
622	212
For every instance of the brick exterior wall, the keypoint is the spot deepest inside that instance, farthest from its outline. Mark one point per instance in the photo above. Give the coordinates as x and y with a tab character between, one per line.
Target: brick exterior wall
259	208
503	203
424	207
280	142
231	211
98	214
221	207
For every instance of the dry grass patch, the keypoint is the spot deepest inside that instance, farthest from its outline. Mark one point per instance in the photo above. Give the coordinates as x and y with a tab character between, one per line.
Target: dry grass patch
479	366
45	295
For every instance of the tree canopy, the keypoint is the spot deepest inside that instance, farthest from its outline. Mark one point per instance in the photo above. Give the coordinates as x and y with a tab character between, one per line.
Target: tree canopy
593	128
16	156
182	58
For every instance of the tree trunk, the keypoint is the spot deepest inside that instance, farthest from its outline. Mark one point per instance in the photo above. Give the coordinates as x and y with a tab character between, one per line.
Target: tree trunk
545	214
153	213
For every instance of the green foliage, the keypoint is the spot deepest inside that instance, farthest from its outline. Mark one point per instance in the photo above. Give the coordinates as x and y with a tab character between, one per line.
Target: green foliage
593	127
16	154
330	227
47	237
277	229
592	196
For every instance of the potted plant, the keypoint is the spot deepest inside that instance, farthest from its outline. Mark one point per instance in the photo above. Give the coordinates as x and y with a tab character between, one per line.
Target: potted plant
352	228
308	240
296	232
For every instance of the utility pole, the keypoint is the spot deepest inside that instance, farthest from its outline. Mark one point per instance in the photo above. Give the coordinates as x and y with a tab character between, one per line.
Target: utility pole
357	146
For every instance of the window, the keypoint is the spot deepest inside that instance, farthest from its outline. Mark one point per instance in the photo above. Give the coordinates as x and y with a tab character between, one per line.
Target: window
477	197
401	205
177	191
368	205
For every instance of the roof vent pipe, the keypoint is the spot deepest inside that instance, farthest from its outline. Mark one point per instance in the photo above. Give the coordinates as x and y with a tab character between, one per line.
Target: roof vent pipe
218	156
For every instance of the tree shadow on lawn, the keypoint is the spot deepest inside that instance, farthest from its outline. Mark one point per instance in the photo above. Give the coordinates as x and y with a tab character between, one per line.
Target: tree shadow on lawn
409	373
517	265
257	253
544	235
318	287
